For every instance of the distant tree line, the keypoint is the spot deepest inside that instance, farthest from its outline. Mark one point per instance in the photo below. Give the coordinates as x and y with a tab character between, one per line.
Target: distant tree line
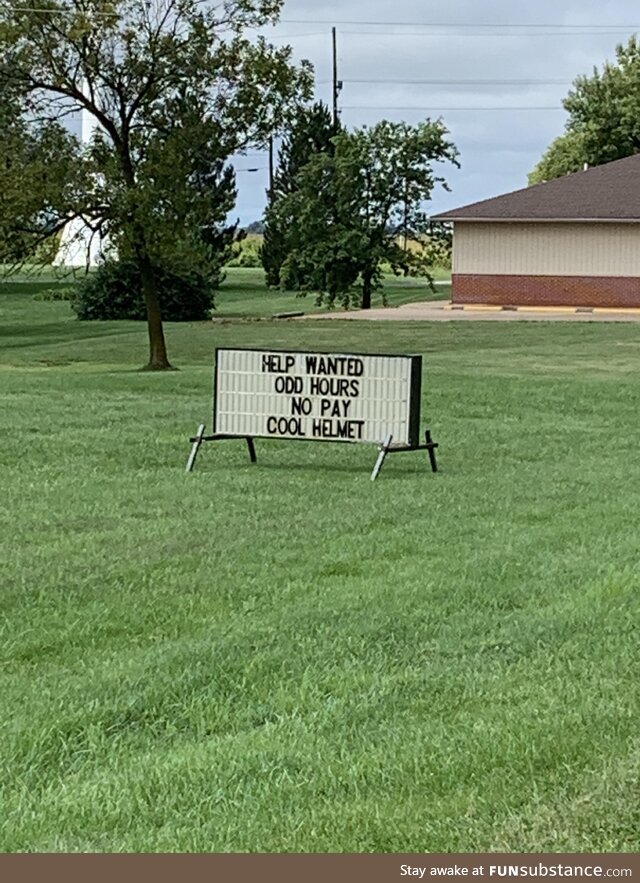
604	118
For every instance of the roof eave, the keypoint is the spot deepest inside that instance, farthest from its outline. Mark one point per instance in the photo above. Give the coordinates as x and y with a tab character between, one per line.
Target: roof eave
537	220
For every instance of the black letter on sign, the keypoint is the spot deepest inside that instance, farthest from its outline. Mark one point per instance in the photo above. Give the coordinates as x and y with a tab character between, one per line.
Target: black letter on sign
301	406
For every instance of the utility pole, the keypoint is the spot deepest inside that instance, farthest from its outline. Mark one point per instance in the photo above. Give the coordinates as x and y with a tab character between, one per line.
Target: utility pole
406	210
270	169
337	84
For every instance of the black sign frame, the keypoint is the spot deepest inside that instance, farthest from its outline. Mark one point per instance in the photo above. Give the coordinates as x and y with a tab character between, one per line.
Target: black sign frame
385	447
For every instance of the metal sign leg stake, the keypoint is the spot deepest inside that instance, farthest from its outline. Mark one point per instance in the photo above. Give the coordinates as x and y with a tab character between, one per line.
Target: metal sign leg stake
200	437
252	449
197	441
384	450
431	448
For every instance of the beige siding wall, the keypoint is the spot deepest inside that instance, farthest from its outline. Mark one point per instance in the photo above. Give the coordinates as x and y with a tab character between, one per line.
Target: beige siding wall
547	249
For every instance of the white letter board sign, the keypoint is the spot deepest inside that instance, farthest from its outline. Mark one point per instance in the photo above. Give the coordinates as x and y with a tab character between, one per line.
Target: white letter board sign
317	396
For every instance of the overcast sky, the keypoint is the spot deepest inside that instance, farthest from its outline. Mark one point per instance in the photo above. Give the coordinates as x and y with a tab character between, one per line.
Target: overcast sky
461	40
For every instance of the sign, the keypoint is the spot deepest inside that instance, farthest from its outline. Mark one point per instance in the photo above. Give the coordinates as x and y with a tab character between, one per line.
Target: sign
339	397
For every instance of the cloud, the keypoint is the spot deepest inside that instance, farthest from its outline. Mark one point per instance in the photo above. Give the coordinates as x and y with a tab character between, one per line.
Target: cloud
498	147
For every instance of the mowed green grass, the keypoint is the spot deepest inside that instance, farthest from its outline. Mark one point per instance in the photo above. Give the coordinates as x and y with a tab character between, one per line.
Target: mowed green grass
243	294
287	657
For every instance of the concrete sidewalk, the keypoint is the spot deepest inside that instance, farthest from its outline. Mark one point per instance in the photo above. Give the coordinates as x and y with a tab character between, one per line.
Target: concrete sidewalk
443	311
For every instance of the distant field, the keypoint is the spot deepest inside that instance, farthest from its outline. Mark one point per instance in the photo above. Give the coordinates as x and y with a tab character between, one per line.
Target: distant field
287	657
244	294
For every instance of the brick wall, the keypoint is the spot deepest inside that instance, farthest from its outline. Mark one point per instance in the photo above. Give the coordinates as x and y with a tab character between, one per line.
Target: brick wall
557	291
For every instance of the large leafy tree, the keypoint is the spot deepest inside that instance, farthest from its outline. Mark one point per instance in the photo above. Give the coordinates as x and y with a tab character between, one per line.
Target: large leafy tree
565	155
605	107
360	207
39	180
309	133
604	117
175	87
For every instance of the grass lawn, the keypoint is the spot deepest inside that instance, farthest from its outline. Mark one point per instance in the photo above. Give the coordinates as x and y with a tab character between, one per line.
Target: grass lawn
243	294
287	657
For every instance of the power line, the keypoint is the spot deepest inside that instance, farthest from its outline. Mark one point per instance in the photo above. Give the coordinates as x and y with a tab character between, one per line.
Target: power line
291	36
56	11
426	24
589	28
447	109
493	35
558	29
496	82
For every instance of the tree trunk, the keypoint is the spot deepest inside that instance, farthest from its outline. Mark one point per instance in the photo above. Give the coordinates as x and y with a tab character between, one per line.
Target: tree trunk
158	360
366	289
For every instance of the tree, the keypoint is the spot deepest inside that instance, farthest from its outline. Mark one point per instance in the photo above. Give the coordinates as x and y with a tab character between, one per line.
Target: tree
565	155
214	237
175	88
604	117
38	179
360	207
605	108
310	133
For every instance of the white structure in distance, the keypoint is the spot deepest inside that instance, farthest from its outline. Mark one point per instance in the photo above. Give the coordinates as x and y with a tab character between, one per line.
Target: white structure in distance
80	246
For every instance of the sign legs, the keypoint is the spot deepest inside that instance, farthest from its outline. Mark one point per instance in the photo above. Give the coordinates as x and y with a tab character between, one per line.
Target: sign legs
431	446
384	450
252	449
200	437
197	441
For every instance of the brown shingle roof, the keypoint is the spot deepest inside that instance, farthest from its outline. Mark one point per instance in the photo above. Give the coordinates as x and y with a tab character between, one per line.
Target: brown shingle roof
610	192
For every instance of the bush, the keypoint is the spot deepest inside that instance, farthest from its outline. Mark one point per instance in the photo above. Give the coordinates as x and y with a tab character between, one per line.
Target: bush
114	291
247	254
61	292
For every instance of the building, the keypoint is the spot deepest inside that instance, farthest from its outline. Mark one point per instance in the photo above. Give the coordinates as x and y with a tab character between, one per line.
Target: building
574	241
80	246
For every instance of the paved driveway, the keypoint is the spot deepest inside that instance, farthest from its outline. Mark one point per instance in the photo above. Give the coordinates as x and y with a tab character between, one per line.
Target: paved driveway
442	311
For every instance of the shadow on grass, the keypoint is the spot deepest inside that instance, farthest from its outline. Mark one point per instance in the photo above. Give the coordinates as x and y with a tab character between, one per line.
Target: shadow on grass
45	334
390	469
